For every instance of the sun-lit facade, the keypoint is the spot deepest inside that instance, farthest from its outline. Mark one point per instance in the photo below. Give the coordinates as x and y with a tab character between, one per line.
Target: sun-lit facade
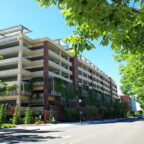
27	62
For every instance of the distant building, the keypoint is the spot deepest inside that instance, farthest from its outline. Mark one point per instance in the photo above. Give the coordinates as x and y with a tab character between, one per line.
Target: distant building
132	103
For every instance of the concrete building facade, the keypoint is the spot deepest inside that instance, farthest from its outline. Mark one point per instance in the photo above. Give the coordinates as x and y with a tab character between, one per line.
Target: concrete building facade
33	68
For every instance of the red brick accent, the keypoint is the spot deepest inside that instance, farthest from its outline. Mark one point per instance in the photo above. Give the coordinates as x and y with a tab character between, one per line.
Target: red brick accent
46	115
59	114
45	73
125	98
74	70
111	91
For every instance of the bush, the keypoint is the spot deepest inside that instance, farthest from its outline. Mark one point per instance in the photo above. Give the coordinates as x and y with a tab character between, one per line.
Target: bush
5	125
16	117
2	113
28	116
51	117
37	120
141	112
136	113
52	120
128	115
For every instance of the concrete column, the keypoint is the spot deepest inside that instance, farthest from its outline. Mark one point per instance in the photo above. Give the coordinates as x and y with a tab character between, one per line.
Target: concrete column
60	62
19	76
45	76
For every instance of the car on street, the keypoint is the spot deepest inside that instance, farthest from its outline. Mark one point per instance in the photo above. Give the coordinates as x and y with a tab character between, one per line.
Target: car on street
139	116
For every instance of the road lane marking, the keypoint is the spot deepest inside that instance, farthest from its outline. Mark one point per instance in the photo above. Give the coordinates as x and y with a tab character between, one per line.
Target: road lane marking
60	136
84	137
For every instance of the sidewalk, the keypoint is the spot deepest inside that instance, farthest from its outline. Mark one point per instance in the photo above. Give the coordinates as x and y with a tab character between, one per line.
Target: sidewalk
34	127
62	124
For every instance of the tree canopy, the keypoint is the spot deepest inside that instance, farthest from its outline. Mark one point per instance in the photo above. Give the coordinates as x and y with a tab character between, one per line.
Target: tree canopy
119	23
132	72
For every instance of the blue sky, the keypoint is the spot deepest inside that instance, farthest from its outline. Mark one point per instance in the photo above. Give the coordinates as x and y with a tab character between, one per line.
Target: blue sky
49	22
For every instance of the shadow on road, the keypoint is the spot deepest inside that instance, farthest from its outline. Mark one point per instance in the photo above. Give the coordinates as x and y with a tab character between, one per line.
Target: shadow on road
13	130
20	136
11	139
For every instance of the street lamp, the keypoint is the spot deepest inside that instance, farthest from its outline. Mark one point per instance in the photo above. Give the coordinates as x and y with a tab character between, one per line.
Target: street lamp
80	100
80	112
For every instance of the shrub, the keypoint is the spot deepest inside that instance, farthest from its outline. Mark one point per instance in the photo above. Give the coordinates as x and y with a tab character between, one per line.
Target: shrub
28	116
51	117
136	113
128	115
39	122
16	117
2	113
5	125
36	119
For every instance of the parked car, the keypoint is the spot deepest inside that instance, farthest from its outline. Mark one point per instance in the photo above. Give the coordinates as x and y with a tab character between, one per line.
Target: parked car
139	116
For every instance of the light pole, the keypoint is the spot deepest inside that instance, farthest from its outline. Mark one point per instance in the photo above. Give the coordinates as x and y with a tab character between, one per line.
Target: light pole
80	112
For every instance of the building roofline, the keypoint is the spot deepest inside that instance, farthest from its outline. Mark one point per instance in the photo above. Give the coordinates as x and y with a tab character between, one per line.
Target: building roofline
13	31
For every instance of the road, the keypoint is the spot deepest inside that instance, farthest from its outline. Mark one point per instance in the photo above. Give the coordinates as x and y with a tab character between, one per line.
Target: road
126	132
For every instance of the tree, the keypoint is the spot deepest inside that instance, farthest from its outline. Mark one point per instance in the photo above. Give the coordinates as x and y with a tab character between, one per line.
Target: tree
132	71
117	21
51	117
3	113
120	109
69	94
28	116
67	90
91	100
125	108
16	116
72	114
92	113
101	111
